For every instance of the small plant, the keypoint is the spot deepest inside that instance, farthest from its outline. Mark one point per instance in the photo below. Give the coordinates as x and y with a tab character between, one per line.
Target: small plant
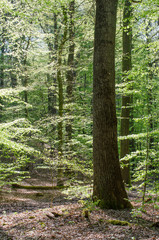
71	222
137	213
78	191
88	206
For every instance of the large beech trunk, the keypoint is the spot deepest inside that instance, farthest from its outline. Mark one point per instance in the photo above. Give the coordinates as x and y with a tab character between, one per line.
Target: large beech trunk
108	183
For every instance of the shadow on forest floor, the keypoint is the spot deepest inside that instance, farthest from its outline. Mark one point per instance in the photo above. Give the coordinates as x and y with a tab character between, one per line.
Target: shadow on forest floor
4	235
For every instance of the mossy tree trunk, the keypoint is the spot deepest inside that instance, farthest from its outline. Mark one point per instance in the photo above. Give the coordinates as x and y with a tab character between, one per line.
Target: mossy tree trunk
126	99
2	60
108	184
52	78
2	68
25	77
70	72
61	100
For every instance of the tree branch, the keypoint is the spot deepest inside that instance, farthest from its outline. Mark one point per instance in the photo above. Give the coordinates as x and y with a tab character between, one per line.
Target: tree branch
134	1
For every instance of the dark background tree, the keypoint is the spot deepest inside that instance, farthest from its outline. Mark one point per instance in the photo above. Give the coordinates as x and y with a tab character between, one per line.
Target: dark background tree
126	99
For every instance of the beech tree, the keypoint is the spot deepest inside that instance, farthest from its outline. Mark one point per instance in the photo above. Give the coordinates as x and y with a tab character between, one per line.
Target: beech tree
126	99
108	184
1	71
70	72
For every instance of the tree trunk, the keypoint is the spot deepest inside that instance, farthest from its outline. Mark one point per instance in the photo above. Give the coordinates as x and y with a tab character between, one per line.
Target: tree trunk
60	124
108	184
13	79
2	71
150	88
60	93
70	72
52	78
61	100
2	63
25	78
126	99
25	84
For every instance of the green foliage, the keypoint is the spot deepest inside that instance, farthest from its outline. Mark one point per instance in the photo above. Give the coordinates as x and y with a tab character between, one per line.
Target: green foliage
89	205
143	90
78	191
137	212
16	152
28	69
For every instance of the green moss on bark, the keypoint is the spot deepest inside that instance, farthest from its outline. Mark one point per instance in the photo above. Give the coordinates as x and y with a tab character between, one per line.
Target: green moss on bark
115	204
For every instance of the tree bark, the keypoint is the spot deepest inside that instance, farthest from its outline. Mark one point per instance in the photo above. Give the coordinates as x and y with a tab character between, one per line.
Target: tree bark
2	61
25	84
126	99
25	77
61	100
52	78
108	184
2	70
70	72
52	47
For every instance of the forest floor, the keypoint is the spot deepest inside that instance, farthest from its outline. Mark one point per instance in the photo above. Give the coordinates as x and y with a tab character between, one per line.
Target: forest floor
46	214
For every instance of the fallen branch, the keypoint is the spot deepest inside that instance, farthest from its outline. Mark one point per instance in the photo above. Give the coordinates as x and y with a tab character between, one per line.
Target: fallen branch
15	185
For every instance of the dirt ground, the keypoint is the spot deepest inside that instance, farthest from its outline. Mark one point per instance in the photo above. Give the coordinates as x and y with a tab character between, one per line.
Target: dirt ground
48	214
